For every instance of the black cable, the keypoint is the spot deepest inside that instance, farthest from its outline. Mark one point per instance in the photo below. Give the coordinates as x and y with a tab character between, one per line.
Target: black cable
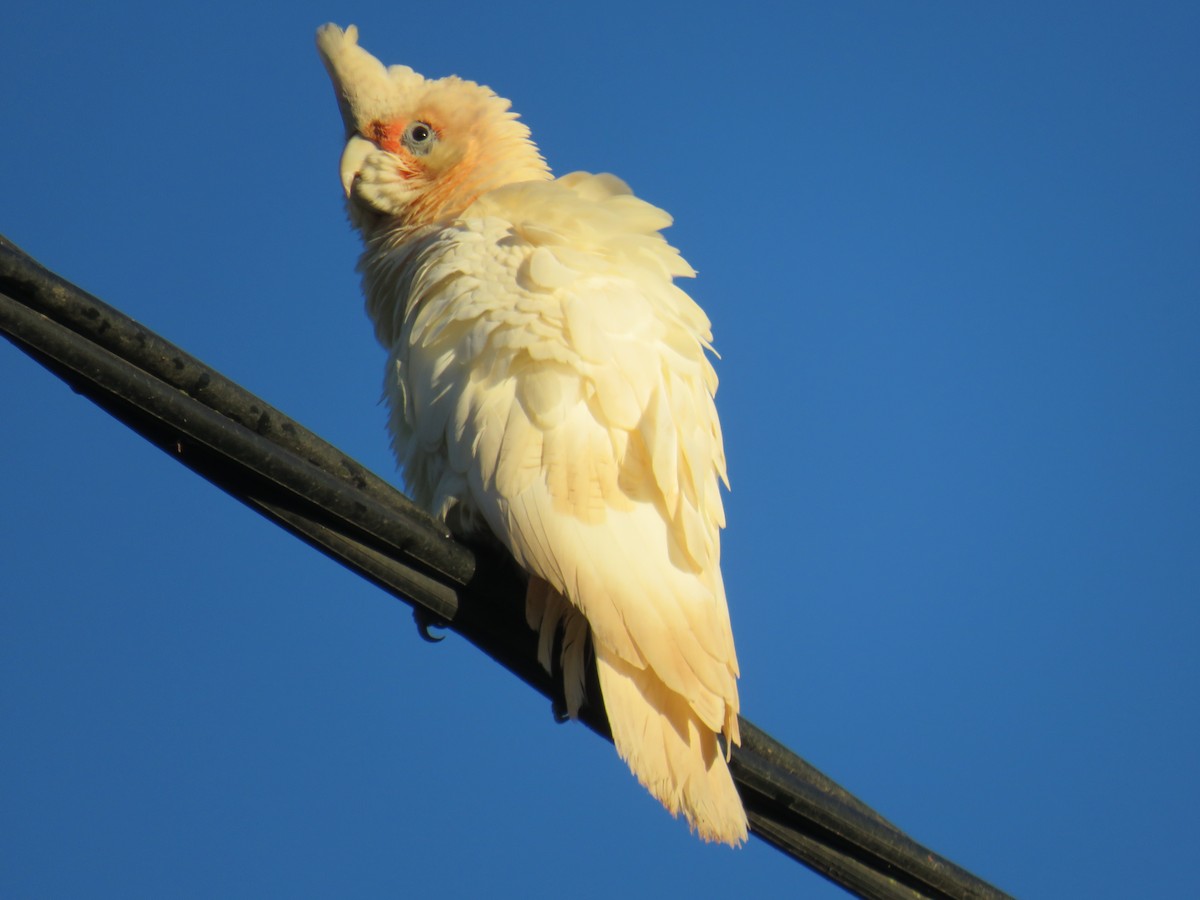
291	476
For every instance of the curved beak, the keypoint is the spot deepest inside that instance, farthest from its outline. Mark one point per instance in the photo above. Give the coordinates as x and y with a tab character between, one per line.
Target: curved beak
358	148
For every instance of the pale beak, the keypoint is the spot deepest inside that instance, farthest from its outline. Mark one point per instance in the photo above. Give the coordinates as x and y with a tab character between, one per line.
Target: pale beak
358	148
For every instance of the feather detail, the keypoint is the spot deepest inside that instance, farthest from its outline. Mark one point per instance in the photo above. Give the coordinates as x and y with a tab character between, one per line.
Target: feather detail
588	443
675	757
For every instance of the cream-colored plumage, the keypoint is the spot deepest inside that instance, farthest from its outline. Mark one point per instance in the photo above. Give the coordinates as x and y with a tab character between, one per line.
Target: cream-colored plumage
548	380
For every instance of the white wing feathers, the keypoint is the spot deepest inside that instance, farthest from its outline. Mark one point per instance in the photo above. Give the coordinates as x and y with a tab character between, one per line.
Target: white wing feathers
549	377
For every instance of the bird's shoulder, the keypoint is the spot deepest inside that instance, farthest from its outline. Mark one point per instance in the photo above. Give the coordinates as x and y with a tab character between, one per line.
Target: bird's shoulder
589	223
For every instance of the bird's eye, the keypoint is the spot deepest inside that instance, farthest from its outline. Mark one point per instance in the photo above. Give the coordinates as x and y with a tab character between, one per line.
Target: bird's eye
419	138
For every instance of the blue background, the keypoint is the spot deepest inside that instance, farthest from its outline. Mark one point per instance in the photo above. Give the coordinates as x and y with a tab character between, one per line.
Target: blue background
952	257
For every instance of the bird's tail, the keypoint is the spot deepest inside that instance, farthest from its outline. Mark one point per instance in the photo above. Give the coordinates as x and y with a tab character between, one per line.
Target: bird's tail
670	750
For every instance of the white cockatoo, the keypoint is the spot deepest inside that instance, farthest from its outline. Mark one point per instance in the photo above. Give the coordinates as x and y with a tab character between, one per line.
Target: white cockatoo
547	380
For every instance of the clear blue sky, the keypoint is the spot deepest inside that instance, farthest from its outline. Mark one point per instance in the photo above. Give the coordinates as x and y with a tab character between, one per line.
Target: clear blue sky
952	257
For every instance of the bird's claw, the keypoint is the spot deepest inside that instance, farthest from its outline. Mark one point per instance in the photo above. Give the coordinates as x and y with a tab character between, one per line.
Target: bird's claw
558	706
426	620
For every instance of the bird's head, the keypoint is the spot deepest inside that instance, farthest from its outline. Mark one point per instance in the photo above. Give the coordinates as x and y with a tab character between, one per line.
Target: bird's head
419	151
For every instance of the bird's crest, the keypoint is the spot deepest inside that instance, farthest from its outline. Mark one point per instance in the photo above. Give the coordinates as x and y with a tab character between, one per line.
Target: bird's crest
367	90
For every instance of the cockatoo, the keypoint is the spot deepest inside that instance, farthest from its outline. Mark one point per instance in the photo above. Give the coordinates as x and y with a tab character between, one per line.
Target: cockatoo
548	381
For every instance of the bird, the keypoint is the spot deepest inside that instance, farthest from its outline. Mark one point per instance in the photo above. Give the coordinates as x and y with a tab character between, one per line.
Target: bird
549	383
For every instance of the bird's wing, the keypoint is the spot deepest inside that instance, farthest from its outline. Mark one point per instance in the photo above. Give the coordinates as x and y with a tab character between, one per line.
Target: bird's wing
552	373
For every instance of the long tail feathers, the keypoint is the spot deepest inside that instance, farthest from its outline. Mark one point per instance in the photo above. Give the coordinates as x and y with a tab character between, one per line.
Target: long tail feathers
674	755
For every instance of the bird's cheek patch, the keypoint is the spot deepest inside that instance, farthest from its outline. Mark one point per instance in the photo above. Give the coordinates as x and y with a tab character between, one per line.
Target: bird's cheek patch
389	136
386	135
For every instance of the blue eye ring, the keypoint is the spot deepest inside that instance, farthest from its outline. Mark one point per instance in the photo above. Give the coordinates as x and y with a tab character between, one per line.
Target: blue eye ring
419	137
